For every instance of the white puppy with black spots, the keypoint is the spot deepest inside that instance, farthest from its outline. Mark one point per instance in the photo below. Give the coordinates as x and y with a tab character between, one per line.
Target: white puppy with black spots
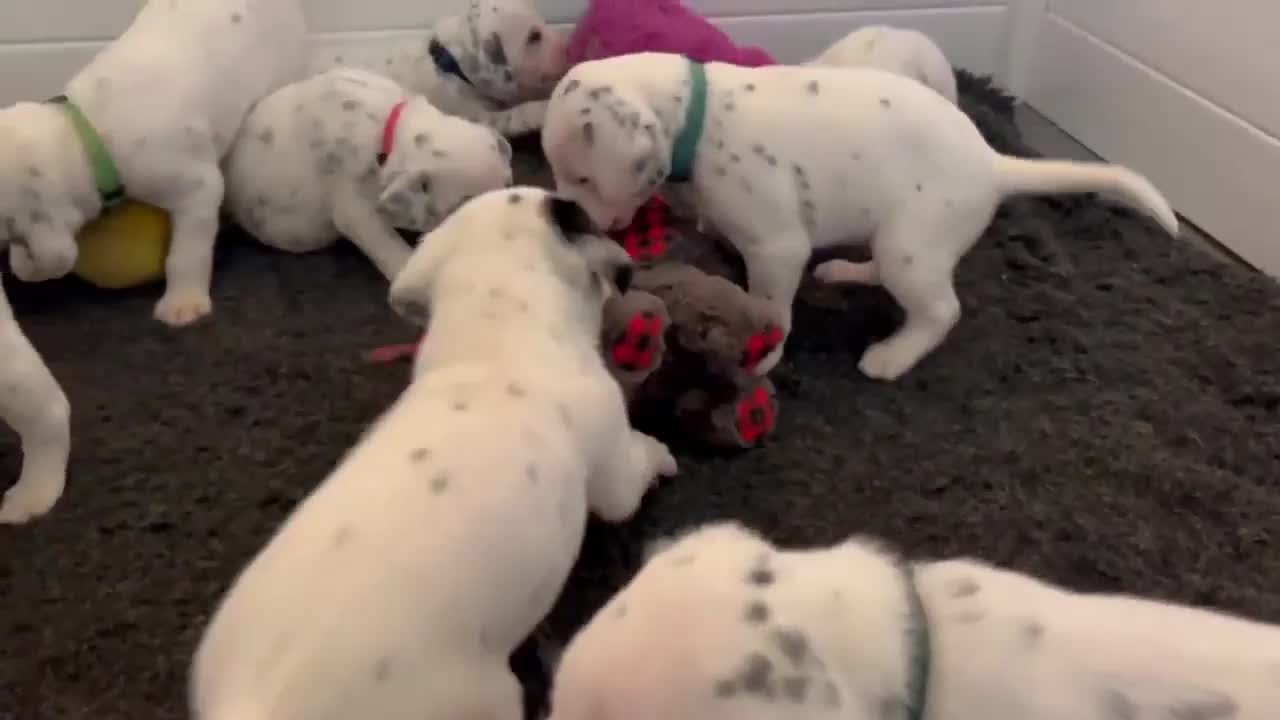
399	588
784	160
724	625
495	63
903	51
149	118
350	153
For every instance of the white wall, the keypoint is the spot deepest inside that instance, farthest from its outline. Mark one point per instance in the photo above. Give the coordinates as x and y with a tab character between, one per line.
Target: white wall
1186	91
43	42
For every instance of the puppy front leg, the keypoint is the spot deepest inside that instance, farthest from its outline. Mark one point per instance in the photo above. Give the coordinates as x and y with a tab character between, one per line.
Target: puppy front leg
519	120
34	405
775	267
189	266
627	469
360	223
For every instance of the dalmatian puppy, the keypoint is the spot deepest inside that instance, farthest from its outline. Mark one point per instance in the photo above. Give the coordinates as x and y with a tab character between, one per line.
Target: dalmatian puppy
34	405
724	625
788	159
901	50
399	588
348	152
149	117
496	64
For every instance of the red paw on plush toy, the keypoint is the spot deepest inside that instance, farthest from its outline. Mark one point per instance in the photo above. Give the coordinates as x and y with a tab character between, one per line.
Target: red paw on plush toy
638	347
645	239
759	345
755	416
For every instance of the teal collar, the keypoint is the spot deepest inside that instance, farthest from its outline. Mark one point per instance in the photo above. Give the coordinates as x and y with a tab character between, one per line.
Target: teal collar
686	143
919	649
105	176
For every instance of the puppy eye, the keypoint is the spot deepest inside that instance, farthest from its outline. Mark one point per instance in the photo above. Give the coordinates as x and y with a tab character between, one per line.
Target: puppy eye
535	36
425	187
584	181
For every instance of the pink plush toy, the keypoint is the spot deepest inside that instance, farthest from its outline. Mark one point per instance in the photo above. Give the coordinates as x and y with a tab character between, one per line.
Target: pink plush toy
621	27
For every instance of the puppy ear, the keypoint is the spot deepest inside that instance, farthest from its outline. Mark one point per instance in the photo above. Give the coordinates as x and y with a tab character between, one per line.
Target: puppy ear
569	218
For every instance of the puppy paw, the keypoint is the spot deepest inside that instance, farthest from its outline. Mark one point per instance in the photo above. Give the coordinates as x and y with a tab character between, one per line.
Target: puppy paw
640	347
28	269
885	361
844	272
660	458
760	346
755	416
180	307
31	498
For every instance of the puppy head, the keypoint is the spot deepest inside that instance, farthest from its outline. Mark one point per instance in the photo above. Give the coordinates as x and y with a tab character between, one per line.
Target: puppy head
521	56
545	244
36	203
604	148
437	162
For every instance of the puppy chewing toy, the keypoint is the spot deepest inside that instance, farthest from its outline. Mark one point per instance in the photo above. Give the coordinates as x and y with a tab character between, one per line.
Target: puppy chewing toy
124	247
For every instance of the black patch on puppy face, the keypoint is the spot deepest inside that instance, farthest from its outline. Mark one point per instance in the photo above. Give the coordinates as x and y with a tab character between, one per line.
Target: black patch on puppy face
493	52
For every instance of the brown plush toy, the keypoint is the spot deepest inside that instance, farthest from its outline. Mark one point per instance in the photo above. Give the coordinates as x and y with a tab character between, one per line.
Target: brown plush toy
683	343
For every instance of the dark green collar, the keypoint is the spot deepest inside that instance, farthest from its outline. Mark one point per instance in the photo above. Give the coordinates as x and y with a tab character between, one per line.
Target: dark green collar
919	649
686	144
105	176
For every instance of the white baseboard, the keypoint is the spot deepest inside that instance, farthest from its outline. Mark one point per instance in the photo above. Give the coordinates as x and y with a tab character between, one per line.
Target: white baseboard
971	37
1217	170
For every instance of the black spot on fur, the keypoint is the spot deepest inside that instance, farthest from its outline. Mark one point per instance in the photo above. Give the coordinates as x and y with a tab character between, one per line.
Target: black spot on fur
813	87
964	587
1117	706
420	140
761	576
342	536
749	87
907	259
919	187
588	133
735	157
34	172
726	688
514	198
1033	632
884	102
515	390
795	687
439	483
460	406
236	18
419	455
793	644
531	473
729	107
493	51
757	612
756	675
350	105
382	670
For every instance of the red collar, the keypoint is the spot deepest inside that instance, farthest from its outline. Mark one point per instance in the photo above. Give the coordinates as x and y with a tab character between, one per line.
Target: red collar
389	132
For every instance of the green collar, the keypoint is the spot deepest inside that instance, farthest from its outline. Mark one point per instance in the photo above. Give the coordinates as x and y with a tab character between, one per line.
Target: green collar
919	649
105	176
686	143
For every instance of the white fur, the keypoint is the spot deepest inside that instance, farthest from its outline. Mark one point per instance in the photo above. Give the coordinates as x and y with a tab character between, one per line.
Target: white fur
167	97
1005	646
398	589
304	168
904	51
507	92
33	404
798	158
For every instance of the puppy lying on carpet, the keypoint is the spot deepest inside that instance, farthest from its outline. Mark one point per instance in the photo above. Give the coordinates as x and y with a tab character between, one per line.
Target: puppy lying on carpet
399	588
723	625
348	152
496	63
785	160
899	50
114	134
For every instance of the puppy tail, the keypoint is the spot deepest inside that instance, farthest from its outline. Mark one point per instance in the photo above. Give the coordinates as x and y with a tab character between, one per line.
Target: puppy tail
1042	177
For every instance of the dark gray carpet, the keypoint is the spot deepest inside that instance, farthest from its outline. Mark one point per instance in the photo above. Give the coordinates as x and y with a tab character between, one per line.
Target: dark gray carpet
1106	414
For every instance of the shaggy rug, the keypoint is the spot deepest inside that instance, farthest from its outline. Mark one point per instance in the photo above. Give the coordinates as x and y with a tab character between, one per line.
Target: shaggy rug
1106	414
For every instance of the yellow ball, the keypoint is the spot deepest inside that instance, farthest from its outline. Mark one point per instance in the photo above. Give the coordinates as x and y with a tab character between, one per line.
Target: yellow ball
124	247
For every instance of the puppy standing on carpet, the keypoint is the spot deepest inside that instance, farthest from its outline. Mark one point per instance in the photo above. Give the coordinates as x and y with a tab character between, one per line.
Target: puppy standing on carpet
400	587
348	152
723	625
785	160
495	64
149	117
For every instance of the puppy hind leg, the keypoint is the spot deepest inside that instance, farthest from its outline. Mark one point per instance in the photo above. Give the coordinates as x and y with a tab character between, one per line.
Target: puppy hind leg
189	265
361	224
34	405
921	281
775	267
